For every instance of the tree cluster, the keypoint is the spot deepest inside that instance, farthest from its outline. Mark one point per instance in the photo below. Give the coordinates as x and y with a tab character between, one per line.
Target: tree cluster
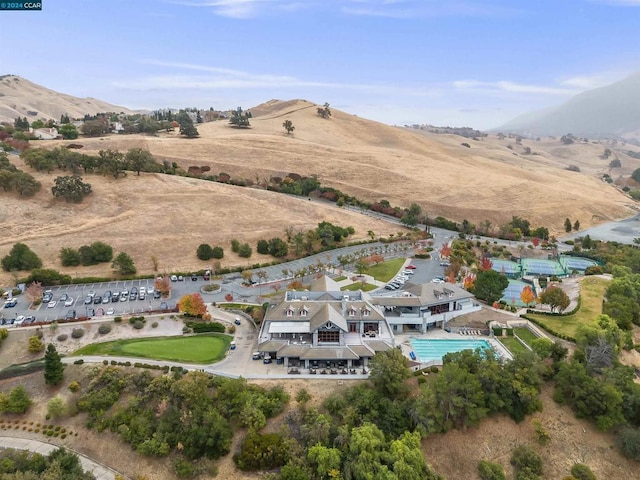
25	465
324	111
275	247
189	415
207	252
187	128
13	179
20	257
97	252
123	265
240	118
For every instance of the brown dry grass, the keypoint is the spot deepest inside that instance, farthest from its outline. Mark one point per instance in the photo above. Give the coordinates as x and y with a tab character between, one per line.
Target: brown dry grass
170	216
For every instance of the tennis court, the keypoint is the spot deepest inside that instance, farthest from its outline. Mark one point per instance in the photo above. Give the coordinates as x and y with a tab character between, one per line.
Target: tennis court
511	294
535	266
508	268
576	263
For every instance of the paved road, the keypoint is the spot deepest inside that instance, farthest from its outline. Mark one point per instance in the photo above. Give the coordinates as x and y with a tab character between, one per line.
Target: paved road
101	472
622	231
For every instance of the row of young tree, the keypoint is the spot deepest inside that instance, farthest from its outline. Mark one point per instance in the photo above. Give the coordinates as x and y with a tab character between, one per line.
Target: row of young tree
13	179
22	258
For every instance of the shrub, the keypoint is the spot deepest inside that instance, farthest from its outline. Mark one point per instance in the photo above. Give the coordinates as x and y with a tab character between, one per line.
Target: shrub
204	251
582	472
594	270
105	362
154	325
245	250
138	324
104	329
77	333
80	361
629	439
62	337
184	468
117	319
262	452
525	459
235	245
75	386
35	344
491	471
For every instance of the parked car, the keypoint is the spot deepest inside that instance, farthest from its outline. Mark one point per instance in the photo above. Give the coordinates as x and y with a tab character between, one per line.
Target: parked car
124	296
444	264
407	272
164	306
91	312
92	293
115	298
106	299
71	315
63	297
52	304
150	291
143	290
237	321
68	302
97	300
47	296
88	300
194	278
12	302
29	319
141	295
19	320
411	267
111	311
174	278
134	290
133	295
232	346
180	278
157	294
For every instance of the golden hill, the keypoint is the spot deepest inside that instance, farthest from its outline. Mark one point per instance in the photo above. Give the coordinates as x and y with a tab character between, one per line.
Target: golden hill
19	97
375	161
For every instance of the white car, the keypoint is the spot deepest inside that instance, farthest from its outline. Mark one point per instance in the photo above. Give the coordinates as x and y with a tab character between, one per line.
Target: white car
51	304
150	291
68	302
111	311
142	290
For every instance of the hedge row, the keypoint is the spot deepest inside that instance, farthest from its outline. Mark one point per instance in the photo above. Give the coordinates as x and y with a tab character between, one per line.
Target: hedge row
206	327
165	368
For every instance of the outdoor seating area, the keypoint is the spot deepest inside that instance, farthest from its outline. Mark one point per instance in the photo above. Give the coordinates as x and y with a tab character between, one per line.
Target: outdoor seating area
329	371
470	331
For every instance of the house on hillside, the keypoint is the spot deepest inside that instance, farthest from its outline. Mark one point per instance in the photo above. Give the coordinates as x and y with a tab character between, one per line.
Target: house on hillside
116	127
425	306
45	133
324	328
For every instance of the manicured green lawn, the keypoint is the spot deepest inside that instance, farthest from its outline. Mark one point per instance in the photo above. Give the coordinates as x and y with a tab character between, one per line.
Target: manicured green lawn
385	271
513	344
340	278
196	349
525	334
358	286
591	292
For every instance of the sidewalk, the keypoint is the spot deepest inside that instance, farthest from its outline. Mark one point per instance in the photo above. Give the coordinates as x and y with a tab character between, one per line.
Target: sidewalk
101	472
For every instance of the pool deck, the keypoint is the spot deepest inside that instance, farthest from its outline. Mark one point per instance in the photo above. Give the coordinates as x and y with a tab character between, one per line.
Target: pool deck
403	340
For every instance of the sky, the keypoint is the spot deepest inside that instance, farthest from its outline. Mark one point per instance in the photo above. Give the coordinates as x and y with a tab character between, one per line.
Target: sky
475	63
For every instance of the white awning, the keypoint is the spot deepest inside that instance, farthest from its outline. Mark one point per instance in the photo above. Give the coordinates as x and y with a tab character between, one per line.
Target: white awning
289	327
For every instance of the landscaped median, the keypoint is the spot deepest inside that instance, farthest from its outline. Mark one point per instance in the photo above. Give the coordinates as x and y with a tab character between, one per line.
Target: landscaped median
206	348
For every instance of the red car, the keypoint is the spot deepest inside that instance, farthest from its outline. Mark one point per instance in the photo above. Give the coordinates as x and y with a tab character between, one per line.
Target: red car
411	267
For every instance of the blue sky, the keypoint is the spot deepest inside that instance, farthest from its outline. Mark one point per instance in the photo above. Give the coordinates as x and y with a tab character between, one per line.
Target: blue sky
471	63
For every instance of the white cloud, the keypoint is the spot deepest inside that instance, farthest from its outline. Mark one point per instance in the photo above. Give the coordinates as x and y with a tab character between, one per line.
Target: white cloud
508	87
587	82
236	8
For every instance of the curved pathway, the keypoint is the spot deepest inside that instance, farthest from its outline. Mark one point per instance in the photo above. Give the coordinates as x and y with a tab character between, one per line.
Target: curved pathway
101	472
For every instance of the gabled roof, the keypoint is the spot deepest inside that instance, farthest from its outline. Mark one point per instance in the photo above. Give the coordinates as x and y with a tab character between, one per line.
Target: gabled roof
329	353
361	350
328	313
378	345
324	284
271	345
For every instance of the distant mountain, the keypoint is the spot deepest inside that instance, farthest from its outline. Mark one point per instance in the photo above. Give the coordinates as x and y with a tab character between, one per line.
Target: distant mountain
20	97
608	111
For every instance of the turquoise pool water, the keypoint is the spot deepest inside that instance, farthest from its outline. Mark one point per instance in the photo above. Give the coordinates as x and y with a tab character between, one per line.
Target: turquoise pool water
428	349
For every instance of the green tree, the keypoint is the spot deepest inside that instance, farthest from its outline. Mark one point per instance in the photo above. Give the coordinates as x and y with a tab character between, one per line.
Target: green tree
567	225
24	184
324	460
138	159
555	298
21	257
71	188
324	111
411	216
580	471
217	252
18	400
112	163
123	264
636	175
278	247
69	257
525	459
204	251
288	126
240	118
56	407
576	225
489	285
68	131
36	345
244	250
53	366
389	372
491	471
94	128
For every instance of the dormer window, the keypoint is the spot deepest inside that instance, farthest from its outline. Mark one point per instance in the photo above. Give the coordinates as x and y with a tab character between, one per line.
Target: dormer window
304	311
289	311
352	312
366	312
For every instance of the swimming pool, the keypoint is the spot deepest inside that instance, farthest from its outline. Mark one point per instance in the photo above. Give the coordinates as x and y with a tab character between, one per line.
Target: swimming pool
434	349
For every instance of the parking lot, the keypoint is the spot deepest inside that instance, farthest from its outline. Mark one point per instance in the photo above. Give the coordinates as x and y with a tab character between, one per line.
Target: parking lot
75	298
